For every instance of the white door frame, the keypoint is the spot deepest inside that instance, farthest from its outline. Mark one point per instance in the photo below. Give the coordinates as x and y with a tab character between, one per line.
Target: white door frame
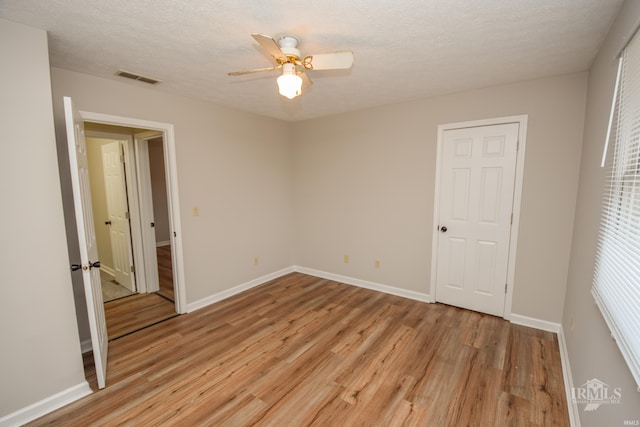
517	198
172	191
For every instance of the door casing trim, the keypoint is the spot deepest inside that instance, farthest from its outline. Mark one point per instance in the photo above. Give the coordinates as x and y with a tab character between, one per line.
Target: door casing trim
171	171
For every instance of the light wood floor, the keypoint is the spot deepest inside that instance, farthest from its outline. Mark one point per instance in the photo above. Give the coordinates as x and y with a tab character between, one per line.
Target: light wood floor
302	351
132	313
165	272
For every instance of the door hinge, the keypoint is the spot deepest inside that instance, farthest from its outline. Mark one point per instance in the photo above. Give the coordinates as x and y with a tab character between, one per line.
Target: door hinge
511	218
133	268
505	288
126	215
518	145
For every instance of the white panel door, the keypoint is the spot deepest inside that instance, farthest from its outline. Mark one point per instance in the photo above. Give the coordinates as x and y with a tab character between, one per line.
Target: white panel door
115	184
477	181
87	239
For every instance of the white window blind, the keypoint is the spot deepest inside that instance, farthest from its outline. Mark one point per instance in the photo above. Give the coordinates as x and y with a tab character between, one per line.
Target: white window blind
616	285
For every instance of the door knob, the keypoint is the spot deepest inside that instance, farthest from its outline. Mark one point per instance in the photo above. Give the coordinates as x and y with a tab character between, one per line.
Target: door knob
443	229
107	222
89	266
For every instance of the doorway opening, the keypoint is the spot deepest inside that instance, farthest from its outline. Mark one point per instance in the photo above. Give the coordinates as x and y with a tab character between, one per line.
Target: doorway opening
87	262
159	138
131	217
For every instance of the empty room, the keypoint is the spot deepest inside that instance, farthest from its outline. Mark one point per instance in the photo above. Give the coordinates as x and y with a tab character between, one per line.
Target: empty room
320	213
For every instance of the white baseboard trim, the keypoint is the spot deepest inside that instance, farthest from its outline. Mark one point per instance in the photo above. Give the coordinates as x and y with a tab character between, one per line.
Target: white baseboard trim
43	407
86	346
237	289
163	243
108	270
574	417
531	322
418	296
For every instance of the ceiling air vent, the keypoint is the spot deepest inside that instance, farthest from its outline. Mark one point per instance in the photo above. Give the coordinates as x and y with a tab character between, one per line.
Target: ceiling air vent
134	76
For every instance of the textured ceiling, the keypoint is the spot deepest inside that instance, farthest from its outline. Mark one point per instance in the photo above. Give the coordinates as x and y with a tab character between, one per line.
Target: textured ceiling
404	50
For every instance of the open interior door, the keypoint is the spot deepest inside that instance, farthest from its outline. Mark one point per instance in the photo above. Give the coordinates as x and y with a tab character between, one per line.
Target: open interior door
115	185
146	208
87	238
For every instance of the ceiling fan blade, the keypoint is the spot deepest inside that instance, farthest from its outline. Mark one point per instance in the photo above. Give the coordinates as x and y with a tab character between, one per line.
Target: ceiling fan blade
257	70
271	46
329	61
306	81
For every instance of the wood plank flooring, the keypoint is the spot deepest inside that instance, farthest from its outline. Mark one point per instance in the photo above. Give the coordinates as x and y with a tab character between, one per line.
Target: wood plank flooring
302	351
165	272
129	314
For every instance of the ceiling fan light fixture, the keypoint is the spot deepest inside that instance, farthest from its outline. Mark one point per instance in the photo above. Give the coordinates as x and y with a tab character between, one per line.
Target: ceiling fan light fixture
287	56
289	83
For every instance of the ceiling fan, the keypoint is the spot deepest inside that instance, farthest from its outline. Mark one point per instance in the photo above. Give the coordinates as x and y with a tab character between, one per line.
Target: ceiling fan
286	54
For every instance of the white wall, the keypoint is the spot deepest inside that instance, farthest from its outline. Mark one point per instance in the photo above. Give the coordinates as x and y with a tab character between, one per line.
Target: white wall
40	353
234	166
593	354
364	186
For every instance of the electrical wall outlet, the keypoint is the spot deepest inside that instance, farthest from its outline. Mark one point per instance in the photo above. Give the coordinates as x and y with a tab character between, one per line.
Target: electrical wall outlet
346	258
195	211
376	263
255	260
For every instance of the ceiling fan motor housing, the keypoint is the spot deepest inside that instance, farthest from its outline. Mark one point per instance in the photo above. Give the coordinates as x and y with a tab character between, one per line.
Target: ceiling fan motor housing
288	46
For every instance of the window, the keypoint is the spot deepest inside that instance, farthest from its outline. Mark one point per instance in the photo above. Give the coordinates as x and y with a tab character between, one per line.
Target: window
616	284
